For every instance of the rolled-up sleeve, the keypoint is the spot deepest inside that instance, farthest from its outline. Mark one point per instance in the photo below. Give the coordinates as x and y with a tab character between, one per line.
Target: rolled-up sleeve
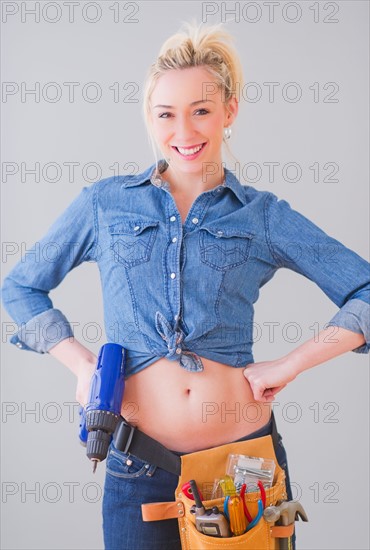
297	243
70	240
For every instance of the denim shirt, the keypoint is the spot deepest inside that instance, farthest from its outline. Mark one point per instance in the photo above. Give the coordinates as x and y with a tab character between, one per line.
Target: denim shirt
180	290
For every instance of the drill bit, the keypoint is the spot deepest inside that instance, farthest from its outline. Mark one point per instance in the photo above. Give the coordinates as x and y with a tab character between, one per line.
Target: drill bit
95	463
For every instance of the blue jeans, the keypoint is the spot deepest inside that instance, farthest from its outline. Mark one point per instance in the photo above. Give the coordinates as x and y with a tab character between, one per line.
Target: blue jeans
131	482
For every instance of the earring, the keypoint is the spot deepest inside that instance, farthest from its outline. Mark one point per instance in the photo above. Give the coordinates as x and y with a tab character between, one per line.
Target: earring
227	132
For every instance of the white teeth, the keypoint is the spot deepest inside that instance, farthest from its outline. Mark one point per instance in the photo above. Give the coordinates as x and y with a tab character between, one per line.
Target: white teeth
189	151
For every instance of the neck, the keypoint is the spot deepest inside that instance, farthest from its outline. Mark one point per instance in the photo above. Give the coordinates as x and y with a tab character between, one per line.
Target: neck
194	183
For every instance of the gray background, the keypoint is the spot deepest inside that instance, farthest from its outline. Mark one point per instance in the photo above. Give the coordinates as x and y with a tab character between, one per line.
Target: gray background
324	414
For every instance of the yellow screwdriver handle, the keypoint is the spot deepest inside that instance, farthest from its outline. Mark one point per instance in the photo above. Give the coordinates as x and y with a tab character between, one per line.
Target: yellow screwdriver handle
238	521
227	486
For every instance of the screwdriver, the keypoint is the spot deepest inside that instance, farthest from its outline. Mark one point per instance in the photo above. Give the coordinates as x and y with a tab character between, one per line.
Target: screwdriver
227	486
238	521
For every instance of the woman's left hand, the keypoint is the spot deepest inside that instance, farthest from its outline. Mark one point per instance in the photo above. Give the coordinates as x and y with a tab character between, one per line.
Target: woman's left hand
267	378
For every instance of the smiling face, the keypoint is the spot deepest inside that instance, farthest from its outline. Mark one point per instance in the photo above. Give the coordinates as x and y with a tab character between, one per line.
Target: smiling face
188	117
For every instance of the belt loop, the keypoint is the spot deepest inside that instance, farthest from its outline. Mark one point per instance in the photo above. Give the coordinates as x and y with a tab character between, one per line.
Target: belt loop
152	468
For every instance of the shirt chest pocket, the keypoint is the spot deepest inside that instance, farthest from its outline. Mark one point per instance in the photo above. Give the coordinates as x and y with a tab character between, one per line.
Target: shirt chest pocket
223	249
132	241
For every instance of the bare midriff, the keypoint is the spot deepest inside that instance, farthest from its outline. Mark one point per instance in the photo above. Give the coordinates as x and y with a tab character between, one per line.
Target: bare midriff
191	411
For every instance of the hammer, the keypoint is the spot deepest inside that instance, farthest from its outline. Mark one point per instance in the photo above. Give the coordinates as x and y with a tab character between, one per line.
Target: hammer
285	513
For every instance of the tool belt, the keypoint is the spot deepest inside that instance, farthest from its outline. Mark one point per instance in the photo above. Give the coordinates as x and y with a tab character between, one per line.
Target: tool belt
127	438
204	467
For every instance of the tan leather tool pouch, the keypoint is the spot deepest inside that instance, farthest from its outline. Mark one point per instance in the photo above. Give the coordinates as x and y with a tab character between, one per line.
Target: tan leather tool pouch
206	466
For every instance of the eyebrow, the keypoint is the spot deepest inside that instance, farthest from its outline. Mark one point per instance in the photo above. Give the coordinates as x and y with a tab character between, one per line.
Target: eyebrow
191	104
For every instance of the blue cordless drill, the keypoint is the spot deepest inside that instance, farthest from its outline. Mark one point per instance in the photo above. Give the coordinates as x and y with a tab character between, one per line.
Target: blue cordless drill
99	418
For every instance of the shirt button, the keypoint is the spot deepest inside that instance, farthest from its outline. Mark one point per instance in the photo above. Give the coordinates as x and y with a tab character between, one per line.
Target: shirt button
220	232
174	239
172	218
195	220
137	227
173	275
178	351
18	344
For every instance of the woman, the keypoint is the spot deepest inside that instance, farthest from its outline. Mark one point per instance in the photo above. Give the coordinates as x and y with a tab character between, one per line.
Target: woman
183	249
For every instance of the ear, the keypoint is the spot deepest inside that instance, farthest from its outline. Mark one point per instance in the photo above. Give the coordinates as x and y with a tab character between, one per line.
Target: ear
232	108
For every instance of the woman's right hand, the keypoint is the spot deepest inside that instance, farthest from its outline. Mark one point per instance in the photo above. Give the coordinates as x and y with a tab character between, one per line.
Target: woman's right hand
79	360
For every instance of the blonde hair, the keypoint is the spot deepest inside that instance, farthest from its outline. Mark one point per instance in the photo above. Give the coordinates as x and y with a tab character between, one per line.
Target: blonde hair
197	45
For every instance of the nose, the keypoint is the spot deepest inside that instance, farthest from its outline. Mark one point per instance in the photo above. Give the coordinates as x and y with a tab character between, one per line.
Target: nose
184	130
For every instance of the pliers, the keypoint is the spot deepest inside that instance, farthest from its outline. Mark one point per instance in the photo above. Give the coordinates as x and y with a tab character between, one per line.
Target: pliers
261	505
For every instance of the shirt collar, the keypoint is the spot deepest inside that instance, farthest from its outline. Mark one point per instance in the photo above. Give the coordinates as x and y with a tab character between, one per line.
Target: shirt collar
150	175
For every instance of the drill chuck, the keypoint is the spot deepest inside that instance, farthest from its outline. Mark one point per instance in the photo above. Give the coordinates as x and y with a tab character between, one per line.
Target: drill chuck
97	445
100	425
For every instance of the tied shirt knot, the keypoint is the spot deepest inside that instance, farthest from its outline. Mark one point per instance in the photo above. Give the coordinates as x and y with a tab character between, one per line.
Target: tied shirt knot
174	339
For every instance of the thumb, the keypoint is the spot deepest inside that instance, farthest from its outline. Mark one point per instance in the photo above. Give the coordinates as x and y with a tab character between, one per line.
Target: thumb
274	391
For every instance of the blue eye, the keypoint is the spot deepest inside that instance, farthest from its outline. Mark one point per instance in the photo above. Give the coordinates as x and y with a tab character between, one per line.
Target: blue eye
204	111
161	115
